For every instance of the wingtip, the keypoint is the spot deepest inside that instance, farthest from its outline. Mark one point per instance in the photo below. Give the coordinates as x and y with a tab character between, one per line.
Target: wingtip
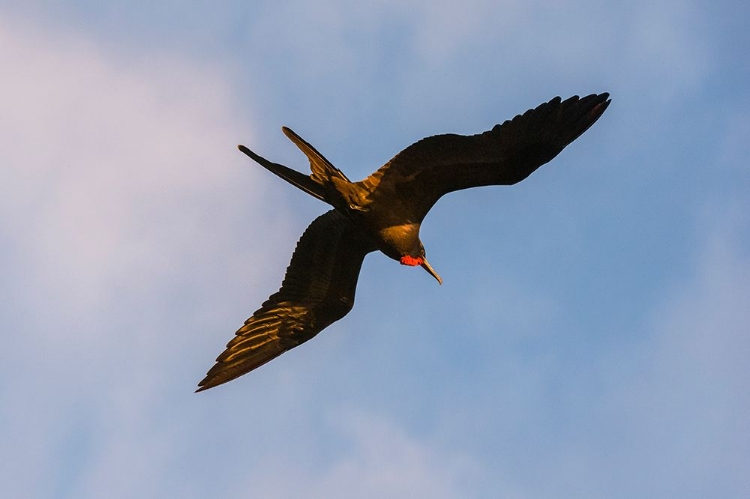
604	98
604	101
205	384
288	132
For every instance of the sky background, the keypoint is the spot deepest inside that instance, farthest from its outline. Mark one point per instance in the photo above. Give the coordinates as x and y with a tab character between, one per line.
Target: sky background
592	335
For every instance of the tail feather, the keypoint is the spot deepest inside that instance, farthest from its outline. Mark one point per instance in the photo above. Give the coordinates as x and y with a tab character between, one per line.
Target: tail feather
322	169
326	182
304	182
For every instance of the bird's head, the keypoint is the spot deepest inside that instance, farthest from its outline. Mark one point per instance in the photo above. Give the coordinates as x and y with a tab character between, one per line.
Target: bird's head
418	257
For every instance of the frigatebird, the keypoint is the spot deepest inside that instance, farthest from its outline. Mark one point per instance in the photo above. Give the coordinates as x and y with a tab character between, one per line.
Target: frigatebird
384	212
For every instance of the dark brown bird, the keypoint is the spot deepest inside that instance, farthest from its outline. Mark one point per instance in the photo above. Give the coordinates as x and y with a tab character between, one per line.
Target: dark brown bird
384	212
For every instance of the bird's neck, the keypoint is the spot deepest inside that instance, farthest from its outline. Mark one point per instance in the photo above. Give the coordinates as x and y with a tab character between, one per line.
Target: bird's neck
399	240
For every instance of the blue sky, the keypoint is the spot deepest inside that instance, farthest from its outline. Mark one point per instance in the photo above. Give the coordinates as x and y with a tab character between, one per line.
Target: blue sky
592	335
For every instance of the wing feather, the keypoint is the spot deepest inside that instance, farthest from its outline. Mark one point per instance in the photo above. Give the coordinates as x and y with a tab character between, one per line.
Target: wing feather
426	170
318	290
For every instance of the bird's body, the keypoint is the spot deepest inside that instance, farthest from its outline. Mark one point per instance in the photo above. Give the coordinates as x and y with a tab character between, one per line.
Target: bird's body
384	212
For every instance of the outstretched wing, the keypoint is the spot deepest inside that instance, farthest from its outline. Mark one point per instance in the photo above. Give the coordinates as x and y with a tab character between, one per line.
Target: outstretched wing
318	290
423	172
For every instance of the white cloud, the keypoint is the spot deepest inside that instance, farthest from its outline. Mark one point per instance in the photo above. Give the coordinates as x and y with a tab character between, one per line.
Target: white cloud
95	149
121	193
380	460
121	185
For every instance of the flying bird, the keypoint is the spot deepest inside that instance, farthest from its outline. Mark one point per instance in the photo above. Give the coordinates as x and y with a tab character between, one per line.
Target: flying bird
384	212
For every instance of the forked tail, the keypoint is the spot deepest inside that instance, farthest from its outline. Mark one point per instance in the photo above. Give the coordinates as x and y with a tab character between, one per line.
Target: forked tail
326	182
304	182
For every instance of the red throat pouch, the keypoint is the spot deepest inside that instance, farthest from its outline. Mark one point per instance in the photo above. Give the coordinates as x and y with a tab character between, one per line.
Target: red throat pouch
410	261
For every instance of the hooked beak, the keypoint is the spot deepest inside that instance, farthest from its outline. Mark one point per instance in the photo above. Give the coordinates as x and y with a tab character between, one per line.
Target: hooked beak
425	265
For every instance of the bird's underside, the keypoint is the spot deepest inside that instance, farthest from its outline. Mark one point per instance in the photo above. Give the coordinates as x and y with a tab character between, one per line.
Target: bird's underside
384	212
318	290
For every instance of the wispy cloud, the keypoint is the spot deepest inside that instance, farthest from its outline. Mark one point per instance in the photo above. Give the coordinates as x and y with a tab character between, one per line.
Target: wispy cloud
589	342
379	459
121	180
